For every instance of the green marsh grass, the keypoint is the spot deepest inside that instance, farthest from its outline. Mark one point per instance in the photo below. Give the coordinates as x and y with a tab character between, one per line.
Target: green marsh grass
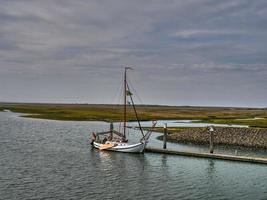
90	112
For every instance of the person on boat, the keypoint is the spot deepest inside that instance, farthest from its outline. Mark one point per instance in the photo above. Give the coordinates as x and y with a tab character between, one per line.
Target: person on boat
104	140
93	138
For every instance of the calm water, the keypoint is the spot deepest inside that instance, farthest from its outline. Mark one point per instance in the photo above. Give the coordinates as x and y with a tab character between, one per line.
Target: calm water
185	123
43	159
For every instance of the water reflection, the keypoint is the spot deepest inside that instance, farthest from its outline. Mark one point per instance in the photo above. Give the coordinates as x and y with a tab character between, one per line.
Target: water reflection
211	168
164	161
109	159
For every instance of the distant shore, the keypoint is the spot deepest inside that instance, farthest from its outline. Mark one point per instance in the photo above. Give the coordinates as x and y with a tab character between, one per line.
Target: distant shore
253	117
246	137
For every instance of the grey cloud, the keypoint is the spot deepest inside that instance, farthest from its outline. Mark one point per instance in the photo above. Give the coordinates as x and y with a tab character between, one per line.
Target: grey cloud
207	33
177	43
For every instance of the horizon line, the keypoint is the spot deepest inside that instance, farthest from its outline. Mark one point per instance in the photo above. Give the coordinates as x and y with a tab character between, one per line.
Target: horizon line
165	105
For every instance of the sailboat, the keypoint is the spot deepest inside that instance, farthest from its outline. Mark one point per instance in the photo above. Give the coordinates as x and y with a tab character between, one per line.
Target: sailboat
113	140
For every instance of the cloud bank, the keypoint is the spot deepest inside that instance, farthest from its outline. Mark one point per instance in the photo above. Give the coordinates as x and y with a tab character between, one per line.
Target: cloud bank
195	52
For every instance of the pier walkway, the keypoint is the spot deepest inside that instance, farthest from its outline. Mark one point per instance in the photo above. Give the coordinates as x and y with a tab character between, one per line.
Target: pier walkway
208	155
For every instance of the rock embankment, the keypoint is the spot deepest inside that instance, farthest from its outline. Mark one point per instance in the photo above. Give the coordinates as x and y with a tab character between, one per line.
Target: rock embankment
248	137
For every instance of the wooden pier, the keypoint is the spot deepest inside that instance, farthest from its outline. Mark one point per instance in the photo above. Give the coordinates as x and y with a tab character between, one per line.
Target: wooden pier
208	155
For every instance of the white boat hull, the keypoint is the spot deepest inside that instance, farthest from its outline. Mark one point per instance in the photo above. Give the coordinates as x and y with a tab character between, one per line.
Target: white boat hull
124	147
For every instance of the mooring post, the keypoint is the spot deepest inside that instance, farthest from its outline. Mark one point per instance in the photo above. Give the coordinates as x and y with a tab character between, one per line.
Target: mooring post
165	136
111	130
211	131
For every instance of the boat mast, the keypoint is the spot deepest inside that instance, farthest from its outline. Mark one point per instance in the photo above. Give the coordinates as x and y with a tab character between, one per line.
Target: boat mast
135	112
125	98
126	91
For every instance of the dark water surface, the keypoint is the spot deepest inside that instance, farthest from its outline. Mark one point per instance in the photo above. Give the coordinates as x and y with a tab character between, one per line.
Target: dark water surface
44	159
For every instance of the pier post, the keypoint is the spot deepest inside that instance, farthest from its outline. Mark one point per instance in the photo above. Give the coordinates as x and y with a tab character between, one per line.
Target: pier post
211	131
111	130
165	136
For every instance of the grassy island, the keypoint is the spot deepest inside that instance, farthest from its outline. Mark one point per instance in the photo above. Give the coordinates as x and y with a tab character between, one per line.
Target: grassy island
255	136
89	112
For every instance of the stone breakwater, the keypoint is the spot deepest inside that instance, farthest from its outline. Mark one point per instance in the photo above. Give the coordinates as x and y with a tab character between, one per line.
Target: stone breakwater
248	137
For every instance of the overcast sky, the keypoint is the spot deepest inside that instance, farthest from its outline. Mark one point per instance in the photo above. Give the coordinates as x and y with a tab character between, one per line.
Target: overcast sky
184	52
